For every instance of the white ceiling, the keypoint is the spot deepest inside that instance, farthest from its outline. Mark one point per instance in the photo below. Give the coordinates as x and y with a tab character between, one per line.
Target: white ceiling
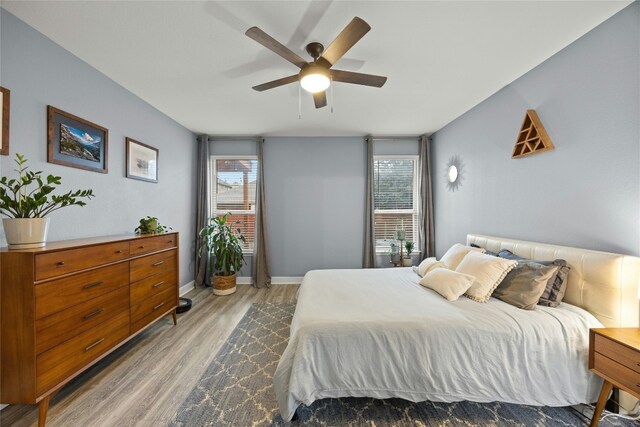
192	61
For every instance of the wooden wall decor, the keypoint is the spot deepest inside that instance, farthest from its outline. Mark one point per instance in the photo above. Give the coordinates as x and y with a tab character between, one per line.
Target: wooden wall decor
533	137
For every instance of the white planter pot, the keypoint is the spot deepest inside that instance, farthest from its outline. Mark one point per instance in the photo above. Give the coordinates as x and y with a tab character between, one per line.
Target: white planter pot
24	233
407	262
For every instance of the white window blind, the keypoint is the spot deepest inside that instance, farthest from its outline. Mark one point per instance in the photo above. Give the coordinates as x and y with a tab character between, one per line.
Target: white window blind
233	191
395	195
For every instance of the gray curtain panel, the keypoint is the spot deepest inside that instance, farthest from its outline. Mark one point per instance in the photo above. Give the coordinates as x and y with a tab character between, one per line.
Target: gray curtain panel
202	209
369	256
426	228
261	273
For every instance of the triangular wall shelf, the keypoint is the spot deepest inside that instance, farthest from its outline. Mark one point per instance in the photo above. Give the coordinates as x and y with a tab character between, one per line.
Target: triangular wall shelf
533	138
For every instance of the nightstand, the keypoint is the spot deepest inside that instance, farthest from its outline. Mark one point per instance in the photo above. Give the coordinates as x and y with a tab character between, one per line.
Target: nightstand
614	354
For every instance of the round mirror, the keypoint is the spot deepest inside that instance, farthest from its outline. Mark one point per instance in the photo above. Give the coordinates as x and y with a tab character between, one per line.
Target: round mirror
453	173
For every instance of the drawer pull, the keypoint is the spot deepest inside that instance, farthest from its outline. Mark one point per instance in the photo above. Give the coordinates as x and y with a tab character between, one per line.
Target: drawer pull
140	247
92	285
158	284
158	306
93	313
170	241
155	264
118	251
60	263
94	344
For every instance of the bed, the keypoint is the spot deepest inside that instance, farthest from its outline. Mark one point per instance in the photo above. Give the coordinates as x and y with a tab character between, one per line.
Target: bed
378	333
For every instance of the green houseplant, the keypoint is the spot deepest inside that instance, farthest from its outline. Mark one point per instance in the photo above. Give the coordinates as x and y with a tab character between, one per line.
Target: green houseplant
26	201
408	245
149	225
224	249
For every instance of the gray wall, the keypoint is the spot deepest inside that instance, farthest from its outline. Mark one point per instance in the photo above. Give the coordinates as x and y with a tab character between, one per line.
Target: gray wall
586	192
315	203
39	73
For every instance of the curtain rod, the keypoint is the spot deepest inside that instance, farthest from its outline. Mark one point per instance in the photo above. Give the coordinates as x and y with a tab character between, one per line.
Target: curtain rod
234	138
393	138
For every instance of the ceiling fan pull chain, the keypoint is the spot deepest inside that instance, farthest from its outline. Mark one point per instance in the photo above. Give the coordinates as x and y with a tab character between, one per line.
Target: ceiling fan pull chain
299	102
331	94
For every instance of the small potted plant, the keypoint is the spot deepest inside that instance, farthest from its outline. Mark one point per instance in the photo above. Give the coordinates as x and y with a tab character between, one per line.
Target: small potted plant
407	261
150	225
224	249
26	201
394	255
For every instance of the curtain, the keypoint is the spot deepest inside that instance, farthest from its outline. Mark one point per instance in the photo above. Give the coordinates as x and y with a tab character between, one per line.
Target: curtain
261	274
426	227
369	256
202	209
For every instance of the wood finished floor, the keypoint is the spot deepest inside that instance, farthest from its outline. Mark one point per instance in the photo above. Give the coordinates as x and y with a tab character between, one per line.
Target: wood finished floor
144	382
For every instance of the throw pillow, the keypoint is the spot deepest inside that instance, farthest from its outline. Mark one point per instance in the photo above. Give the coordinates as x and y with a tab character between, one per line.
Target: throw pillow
450	284
429	264
524	285
454	255
488	272
557	283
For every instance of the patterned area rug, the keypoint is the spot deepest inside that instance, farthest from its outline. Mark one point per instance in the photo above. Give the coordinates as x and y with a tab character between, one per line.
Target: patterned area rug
236	390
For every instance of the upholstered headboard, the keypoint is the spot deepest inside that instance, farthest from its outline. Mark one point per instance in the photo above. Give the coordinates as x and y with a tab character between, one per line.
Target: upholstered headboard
605	284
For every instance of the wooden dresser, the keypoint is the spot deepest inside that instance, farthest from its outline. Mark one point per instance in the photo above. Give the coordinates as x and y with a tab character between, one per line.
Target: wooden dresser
614	354
69	304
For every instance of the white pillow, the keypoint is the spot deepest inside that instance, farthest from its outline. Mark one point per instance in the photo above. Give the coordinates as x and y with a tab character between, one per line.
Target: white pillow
450	284
456	253
488	272
429	264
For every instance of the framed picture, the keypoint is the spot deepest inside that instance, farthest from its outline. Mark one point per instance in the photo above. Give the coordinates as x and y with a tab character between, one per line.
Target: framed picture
4	126
76	142
142	161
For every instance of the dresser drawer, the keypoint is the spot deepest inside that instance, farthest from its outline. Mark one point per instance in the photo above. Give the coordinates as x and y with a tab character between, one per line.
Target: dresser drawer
152	244
152	308
63	325
55	365
621	353
617	372
152	285
56	263
153	264
59	294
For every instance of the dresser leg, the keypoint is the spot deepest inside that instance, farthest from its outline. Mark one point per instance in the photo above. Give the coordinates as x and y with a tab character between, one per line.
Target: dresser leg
43	407
175	318
602	400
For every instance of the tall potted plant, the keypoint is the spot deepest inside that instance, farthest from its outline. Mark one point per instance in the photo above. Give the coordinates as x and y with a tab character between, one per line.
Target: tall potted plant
26	207
224	249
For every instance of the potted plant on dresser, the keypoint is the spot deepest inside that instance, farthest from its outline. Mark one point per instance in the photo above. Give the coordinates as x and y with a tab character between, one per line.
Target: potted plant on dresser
27	200
224	248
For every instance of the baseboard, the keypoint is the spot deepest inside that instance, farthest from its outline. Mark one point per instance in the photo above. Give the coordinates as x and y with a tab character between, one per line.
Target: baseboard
277	280
186	288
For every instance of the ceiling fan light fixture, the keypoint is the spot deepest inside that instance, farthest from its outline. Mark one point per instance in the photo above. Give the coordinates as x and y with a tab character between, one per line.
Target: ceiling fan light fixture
314	78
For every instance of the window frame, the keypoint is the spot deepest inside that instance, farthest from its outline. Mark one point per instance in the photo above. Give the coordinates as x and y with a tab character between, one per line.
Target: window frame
416	203
213	182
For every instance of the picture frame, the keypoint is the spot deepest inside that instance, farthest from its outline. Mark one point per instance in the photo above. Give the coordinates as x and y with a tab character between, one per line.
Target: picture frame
5	115
75	142
141	161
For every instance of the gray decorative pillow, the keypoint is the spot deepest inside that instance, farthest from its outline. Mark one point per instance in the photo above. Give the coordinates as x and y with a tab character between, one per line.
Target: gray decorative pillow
524	285
557	284
473	245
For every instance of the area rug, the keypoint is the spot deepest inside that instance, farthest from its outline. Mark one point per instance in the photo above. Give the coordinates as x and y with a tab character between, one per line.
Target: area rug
236	390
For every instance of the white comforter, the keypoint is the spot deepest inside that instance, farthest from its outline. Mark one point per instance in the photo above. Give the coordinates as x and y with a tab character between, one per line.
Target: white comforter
378	333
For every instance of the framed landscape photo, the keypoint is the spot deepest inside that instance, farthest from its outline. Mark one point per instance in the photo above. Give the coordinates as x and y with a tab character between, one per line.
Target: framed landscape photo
142	161
4	126
76	142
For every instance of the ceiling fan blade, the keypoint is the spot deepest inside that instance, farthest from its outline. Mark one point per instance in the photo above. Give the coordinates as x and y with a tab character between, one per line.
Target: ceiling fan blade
353	32
358	78
274	45
320	99
275	83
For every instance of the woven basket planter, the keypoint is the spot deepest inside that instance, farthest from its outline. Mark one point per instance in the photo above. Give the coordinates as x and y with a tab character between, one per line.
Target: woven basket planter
224	285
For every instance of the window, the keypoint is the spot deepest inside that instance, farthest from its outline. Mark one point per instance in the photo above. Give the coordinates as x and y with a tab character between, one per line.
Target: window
233	191
395	198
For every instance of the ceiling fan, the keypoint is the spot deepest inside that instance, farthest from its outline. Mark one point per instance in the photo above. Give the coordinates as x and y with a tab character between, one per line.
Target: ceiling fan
316	76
